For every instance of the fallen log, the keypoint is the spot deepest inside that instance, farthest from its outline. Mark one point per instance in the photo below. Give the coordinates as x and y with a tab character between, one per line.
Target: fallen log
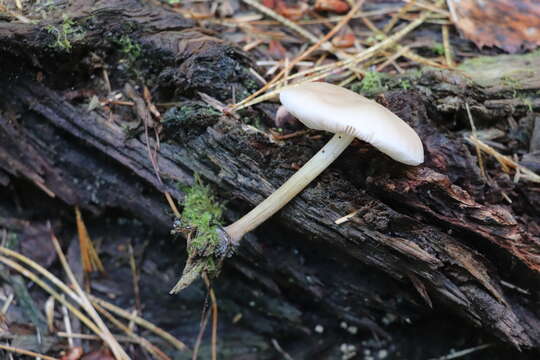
440	227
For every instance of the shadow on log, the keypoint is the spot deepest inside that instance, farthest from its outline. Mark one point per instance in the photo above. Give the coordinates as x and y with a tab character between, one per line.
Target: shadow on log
436	236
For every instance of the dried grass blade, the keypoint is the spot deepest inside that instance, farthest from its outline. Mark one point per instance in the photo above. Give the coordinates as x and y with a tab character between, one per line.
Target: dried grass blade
139	321
505	161
147	345
108	338
89	257
30	275
314	47
26	352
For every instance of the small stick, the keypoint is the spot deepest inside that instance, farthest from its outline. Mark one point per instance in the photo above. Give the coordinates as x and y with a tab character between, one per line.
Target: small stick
91	337
462	353
429	7
364	55
214	315
139	321
346	218
117	350
26	352
147	345
448	54
289	136
393	21
314	47
30	275
505	161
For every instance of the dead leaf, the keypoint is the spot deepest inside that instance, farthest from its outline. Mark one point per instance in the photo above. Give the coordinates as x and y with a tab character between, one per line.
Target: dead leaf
101	354
508	24
271	4
74	353
335	6
35	244
276	50
291	12
89	255
344	41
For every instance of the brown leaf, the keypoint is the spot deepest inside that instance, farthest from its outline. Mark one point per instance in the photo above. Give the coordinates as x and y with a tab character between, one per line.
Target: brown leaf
36	245
276	50
271	4
73	353
101	354
291	12
335	6
344	41
508	24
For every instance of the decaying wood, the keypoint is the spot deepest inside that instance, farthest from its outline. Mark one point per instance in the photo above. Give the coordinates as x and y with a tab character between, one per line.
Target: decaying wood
439	227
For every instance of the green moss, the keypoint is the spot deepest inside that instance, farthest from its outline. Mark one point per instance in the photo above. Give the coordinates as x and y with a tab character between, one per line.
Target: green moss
203	214
188	120
65	33
200	223
438	49
405	84
371	84
129	48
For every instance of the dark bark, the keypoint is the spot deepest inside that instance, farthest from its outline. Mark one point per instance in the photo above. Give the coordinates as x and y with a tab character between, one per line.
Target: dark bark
438	227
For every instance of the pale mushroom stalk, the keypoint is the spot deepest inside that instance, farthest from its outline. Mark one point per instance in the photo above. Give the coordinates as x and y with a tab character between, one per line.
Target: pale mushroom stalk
295	184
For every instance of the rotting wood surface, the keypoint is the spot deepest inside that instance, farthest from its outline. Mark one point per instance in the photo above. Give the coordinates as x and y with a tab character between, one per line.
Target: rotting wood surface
437	227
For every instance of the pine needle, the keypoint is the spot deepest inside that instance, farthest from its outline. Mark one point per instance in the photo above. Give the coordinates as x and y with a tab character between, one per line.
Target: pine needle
506	162
325	70
26	352
108	338
314	47
448	54
140	322
89	257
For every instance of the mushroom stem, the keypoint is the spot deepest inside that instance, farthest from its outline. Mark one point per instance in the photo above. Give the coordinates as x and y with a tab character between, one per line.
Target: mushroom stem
290	188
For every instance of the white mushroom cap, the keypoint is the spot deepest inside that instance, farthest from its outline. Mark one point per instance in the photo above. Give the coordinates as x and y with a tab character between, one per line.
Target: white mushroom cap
332	108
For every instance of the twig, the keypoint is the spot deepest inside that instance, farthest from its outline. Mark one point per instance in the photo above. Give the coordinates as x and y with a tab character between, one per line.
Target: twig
139	321
505	161
204	322
462	353
30	275
314	47
89	256
477	147
172	205
117	350
325	70
430	7
280	350
448	53
67	324
26	352
346	218
281	19
404	50
214	315
147	345
288	136
395	18
134	278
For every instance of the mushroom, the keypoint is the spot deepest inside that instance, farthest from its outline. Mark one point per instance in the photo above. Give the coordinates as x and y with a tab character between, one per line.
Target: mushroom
348	115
